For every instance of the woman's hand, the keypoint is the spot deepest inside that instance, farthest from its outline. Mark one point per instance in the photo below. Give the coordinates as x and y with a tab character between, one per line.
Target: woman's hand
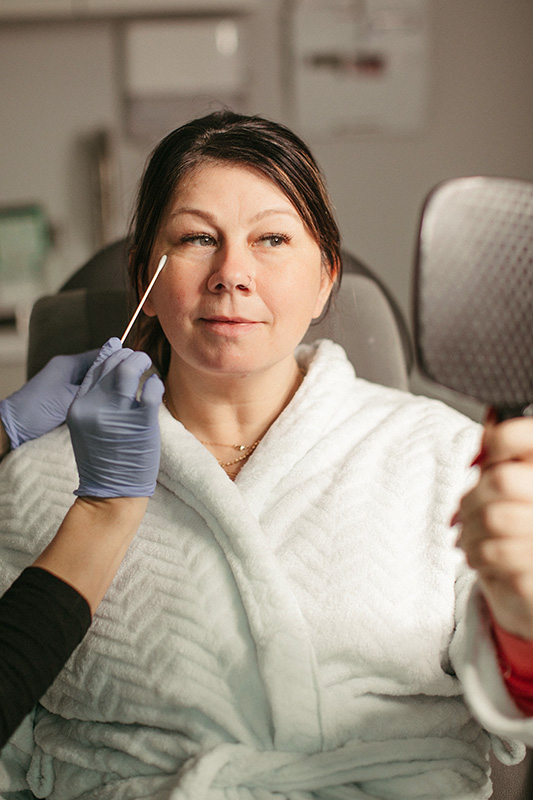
497	524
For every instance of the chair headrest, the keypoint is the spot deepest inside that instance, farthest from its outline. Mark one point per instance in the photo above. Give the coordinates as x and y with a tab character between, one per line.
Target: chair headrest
72	322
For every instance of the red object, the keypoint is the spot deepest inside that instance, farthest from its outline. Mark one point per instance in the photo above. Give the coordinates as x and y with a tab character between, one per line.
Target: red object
515	656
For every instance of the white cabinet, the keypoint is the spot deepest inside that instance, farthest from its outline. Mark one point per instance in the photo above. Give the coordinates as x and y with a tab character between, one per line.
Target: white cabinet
154	7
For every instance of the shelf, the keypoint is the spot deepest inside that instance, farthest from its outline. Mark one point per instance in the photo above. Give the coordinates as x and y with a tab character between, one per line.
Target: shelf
42	10
141	7
27	10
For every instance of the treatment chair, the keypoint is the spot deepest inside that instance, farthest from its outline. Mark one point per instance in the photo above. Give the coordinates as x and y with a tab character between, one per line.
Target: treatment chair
92	306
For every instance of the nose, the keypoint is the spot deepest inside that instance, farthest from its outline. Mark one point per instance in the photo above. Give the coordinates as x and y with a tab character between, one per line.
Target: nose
232	271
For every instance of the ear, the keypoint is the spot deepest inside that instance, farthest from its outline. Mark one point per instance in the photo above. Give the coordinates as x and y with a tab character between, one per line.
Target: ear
327	282
148	307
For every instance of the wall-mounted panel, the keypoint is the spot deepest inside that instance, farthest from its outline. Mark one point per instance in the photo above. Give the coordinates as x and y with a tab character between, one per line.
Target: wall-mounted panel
178	69
359	66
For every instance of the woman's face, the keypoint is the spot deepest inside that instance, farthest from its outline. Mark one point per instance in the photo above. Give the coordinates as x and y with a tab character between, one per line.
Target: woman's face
243	278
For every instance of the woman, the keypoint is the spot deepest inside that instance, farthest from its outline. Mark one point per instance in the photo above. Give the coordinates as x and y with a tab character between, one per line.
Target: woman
292	619
48	609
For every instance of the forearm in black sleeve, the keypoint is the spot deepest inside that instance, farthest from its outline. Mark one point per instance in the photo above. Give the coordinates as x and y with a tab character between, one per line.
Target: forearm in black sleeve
42	620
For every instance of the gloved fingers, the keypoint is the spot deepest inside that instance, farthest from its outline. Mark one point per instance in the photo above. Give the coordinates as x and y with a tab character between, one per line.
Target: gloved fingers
43	402
66	369
111	354
69	373
80	364
111	346
152	392
123	379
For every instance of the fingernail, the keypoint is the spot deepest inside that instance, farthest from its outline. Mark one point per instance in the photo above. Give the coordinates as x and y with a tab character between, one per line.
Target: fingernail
480	458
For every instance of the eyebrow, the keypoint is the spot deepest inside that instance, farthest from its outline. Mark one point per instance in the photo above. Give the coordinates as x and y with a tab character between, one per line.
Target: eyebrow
198	212
271	211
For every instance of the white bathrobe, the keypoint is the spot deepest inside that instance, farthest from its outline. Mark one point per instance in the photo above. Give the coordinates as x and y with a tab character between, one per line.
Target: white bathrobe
305	632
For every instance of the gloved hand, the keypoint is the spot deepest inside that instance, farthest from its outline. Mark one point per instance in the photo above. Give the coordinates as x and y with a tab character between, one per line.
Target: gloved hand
43	402
115	436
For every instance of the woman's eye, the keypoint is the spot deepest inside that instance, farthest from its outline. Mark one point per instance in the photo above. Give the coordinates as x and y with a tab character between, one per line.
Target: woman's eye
199	239
275	239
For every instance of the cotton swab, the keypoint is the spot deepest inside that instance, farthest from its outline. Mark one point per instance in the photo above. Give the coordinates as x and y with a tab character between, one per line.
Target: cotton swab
160	266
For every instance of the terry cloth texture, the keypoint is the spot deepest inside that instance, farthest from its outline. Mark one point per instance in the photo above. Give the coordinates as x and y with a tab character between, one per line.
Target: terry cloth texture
296	634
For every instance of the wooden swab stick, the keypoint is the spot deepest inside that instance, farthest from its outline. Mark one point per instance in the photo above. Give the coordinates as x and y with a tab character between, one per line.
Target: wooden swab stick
160	266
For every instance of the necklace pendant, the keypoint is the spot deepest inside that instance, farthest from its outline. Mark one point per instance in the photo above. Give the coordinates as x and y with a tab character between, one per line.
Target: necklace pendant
240	447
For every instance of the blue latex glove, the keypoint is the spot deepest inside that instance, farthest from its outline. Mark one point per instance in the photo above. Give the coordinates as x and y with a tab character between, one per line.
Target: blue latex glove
42	403
116	437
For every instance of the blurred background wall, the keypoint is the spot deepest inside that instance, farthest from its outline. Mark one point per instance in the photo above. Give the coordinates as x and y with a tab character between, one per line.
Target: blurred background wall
61	98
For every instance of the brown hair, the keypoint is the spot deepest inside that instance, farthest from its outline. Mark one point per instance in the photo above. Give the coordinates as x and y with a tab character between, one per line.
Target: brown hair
268	147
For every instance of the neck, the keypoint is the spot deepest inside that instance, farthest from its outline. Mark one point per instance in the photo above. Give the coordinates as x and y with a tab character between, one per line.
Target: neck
231	409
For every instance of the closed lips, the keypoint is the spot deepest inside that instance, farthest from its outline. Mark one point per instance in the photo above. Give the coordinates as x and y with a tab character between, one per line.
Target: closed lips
230	320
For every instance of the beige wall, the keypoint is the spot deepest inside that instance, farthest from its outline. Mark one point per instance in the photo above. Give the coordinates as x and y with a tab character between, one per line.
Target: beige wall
56	87
58	83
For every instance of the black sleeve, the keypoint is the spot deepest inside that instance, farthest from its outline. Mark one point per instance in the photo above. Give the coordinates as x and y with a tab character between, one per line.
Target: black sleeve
42	620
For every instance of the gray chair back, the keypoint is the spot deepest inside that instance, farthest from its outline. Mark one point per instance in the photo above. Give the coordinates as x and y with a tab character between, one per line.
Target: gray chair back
361	319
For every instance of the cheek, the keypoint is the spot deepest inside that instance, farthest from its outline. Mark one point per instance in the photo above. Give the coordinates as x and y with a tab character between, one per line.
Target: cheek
310	287
297	298
167	297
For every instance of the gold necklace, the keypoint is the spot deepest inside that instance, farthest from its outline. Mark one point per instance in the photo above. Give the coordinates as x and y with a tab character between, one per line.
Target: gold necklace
240	447
249	448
